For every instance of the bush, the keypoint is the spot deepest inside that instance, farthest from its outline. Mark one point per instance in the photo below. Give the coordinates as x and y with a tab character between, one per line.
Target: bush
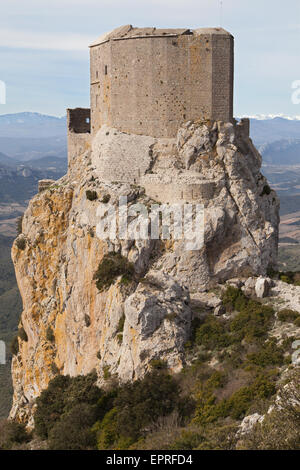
209	409
14	345
297	322
73	430
12	433
290	277
87	320
105	199
233	299
21	243
61	396
158	364
19	224
91	195
112	266
212	334
269	354
50	335
266	190
287	315
106	373
280	428
252	321
121	324
143	401
22	334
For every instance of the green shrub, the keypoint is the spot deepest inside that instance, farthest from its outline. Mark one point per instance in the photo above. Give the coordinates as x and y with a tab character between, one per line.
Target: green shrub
269	354
54	369
105	199
143	401
212	334
290	277
252	321
112	266
21	243
253	318
12	433
91	195
233	299
297	322
22	334
73	430
189	440
120	338
209	409
14	345
121	324
50	335
61	396
106	372
19	224
287	315
266	190
158	364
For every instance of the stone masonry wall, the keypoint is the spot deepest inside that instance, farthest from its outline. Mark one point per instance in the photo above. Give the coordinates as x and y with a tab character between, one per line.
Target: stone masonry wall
149	85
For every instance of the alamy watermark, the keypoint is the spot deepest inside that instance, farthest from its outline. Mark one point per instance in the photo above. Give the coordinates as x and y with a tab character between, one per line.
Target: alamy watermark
2	353
156	221
2	92
296	93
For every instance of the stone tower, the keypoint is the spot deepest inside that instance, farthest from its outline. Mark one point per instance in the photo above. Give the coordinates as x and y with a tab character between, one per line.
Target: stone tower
148	81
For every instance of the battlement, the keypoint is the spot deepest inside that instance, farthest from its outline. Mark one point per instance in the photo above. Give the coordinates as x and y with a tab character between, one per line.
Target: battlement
149	81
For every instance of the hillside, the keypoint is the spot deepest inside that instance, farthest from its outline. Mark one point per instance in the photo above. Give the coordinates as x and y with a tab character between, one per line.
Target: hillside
10	311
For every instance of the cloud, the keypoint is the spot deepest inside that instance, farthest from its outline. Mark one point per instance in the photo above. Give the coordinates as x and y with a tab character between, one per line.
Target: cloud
16	39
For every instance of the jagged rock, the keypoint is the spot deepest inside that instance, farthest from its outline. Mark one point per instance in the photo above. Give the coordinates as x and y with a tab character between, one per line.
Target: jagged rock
249	286
220	310
45	184
248	423
238	283
262	287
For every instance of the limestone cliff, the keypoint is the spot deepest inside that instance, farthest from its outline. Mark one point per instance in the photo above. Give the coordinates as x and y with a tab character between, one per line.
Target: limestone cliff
71	326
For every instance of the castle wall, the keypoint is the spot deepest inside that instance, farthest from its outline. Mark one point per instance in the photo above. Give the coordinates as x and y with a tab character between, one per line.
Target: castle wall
149	85
78	125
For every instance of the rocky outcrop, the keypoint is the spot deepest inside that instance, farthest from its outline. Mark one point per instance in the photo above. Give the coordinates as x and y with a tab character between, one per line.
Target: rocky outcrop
72	327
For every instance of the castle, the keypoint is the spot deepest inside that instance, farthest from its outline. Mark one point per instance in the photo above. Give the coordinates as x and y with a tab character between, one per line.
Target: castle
148	81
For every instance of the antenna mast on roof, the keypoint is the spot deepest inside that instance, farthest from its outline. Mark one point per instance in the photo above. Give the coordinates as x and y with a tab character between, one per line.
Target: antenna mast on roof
221	12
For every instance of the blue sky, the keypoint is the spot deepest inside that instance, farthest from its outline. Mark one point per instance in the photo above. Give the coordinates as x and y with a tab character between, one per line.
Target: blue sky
44	57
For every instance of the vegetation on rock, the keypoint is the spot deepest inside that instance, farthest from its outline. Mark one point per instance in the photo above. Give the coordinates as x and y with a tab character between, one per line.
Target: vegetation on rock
112	266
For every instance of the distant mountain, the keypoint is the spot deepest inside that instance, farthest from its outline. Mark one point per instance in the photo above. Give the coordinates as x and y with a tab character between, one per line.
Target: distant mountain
29	148
5	160
32	125
19	183
271	130
26	136
281	152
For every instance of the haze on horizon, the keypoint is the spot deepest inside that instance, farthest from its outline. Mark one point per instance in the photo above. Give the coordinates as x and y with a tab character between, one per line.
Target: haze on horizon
45	58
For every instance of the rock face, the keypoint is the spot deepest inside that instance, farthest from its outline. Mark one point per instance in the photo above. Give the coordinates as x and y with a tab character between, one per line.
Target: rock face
71	326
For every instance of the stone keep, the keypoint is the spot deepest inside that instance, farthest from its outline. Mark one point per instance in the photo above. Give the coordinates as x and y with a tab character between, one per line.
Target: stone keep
149	81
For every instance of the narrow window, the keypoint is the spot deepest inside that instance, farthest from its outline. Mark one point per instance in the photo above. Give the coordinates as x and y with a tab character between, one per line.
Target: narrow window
105	70
87	120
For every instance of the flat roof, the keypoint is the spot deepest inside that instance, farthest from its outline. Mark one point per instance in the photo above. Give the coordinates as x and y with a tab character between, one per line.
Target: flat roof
130	32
